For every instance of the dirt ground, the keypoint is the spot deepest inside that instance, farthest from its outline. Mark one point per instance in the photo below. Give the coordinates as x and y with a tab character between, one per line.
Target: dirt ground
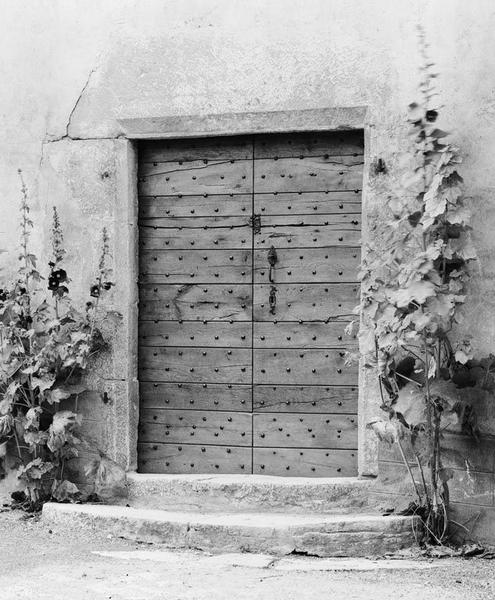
39	563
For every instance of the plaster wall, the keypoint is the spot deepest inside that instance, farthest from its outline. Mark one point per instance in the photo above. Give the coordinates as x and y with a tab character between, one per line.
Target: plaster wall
72	70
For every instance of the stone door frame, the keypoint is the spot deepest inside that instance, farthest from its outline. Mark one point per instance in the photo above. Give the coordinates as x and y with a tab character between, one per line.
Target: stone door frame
228	124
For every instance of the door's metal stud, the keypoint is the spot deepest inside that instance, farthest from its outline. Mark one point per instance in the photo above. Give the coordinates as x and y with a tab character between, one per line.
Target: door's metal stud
289	338
339	371
191	369
216	337
262	338
263	370
341	206
204	353
216	369
215	242
229	352
179	385
288	369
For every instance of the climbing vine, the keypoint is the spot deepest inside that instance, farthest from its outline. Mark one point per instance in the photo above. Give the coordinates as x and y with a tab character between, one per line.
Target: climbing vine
45	346
413	285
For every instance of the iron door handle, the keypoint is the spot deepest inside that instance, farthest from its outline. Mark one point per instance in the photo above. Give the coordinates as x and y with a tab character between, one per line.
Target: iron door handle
272	261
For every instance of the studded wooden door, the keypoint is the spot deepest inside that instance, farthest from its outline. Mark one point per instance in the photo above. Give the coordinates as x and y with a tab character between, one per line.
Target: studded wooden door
249	249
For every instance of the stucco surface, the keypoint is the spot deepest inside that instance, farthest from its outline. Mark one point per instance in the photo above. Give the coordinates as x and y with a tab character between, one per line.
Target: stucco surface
71	71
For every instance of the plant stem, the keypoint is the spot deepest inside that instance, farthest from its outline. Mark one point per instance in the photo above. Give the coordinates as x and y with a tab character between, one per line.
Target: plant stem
408	467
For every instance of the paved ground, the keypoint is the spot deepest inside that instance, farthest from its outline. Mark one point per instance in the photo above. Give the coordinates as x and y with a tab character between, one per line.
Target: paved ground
38	563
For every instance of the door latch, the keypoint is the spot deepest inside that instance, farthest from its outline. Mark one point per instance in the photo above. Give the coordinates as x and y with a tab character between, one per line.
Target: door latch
255	222
272	261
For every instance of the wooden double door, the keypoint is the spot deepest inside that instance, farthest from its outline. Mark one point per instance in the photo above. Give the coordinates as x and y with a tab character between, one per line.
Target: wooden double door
249	252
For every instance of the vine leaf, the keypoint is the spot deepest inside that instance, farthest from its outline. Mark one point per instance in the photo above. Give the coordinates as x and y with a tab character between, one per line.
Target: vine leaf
417	291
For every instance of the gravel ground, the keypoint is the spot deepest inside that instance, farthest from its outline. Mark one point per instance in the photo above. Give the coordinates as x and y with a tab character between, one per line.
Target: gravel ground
39	563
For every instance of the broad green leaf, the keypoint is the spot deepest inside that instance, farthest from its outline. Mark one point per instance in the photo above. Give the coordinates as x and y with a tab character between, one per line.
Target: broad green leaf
417	291
411	404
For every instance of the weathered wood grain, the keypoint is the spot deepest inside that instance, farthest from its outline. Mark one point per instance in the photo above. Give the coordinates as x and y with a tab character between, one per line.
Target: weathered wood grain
195	426
305	431
210	365
195	177
309	399
205	205
308	334
313	265
193	302
303	462
309	144
195	333
238	236
307	203
190	266
309	366
167	458
212	148
309	175
198	396
307	302
311	231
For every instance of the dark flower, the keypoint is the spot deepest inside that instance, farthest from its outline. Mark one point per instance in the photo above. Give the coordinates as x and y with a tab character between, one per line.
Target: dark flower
107	285
431	116
53	283
3	295
95	291
61	275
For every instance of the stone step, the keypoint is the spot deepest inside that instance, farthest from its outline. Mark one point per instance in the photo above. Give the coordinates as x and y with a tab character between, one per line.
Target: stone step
230	493
277	534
